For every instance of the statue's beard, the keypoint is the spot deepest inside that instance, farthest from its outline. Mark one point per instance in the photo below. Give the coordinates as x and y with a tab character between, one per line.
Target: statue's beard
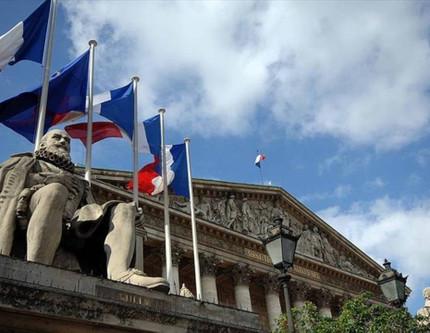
60	159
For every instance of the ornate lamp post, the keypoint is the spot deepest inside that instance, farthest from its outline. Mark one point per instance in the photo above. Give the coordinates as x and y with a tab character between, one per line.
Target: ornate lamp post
280	244
393	285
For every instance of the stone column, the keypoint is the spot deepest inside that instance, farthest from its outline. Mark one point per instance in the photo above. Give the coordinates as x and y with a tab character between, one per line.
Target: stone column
140	238
208	269
325	298
241	277
299	293
177	255
273	305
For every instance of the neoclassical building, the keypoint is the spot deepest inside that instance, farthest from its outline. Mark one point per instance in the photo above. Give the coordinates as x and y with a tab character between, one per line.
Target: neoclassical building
235	269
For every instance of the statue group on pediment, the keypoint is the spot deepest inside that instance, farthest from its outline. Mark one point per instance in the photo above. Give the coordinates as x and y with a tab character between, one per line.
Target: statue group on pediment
254	218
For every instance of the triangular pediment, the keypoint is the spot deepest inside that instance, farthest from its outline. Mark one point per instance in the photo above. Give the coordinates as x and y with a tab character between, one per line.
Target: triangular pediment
250	209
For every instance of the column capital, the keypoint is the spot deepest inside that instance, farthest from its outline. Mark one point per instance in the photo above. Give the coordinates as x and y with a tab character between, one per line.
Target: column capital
208	264
271	283
177	255
324	297
241	273
300	291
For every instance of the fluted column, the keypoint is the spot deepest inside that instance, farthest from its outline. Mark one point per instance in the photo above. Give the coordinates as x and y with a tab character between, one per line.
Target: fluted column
271	287
241	277
208	268
299	293
177	255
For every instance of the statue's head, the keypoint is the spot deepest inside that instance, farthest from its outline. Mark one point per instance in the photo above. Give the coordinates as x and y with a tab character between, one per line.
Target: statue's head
426	293
56	141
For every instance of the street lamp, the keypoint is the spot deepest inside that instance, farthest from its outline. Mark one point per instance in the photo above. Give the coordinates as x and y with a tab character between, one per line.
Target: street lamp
280	244
393	285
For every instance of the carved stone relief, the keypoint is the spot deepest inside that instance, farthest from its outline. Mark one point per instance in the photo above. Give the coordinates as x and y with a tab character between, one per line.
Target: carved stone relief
254	217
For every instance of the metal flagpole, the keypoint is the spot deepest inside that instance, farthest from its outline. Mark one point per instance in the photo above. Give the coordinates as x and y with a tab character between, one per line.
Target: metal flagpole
261	175
47	55
88	156
135	80
168	246
193	223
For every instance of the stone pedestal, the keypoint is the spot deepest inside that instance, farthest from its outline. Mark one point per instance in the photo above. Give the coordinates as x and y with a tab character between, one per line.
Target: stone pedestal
39	298
208	271
273	304
241	278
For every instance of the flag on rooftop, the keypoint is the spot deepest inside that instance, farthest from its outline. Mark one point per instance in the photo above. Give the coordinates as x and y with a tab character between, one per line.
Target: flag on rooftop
26	40
258	159
150	176
67	93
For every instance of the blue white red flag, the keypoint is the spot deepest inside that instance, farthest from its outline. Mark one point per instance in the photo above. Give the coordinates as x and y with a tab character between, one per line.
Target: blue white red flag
103	130
150	176
258	159
67	93
26	40
118	106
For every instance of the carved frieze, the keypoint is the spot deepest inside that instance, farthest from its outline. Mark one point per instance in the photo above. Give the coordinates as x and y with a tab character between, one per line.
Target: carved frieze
253	217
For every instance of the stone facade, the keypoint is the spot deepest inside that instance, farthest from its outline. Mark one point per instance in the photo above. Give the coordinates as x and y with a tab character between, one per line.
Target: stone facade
235	269
238	279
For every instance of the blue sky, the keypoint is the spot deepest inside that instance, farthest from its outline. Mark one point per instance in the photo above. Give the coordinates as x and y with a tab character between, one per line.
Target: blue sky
336	94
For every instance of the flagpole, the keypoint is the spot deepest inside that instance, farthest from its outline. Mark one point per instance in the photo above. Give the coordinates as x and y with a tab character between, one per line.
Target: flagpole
47	56
261	174
135	80
167	242
88	155
193	223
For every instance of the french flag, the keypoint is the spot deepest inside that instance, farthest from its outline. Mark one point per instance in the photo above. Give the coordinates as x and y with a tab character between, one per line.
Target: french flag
26	40
150	133
258	159
150	176
66	96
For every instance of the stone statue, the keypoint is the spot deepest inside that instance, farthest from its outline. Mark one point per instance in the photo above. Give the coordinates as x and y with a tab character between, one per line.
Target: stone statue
185	292
345	264
248	219
304	245
330	254
53	207
424	312
231	212
316	243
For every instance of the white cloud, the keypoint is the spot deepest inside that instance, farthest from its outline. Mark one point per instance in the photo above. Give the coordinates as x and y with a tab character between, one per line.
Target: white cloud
340	192
352	70
423	157
392	229
375	183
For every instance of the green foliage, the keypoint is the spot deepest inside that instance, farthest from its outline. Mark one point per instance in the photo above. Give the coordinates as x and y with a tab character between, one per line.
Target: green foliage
358	315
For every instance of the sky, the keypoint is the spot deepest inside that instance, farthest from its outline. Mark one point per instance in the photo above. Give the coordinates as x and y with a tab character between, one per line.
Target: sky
335	94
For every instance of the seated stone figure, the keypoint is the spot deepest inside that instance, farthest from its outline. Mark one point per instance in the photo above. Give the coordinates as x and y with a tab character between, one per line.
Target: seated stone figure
45	203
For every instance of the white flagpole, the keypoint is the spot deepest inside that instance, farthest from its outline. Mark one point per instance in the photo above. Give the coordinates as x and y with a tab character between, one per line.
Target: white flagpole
168	245
135	80
88	155
47	55
193	223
